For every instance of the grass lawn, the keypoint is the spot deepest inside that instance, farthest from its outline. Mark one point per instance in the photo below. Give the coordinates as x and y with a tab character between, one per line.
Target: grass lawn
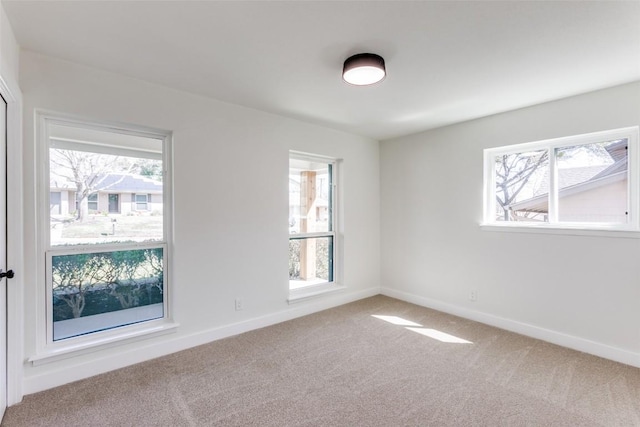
105	228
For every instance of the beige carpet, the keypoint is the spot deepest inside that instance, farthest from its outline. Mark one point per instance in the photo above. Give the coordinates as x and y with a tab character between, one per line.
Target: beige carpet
344	367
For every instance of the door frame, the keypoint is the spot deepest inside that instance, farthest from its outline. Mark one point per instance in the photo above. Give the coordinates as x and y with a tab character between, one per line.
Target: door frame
15	240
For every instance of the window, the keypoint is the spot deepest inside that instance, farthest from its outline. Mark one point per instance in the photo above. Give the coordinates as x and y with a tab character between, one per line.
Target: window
312	221
105	269
141	202
585	181
55	198
92	201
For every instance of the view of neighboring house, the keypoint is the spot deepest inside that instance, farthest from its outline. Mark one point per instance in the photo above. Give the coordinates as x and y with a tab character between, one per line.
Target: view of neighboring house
115	194
62	198
593	193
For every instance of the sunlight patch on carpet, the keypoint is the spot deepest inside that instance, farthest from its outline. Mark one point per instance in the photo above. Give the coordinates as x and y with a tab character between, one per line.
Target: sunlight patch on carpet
440	336
396	320
418	328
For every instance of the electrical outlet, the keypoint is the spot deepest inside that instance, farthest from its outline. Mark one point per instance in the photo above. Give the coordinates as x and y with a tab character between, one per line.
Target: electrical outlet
473	295
239	304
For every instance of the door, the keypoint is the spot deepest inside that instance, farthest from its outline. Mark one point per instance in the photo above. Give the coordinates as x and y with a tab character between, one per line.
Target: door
3	256
114	203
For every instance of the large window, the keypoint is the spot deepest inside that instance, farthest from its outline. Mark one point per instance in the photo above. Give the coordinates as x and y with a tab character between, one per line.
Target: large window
312	221
585	181
105	269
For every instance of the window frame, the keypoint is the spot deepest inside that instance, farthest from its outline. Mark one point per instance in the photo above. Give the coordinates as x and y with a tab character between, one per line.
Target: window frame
89	200
334	283
146	202
47	350
550	145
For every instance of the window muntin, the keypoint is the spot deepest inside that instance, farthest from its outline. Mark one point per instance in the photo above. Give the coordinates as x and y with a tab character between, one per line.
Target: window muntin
311	221
584	181
105	260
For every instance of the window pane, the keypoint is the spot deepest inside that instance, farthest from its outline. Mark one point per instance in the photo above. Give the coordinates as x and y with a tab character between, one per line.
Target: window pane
522	186
98	186
592	182
310	261
310	201
55	201
92	201
103	290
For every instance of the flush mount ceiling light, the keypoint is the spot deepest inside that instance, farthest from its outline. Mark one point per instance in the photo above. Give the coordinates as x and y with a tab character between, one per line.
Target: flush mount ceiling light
364	69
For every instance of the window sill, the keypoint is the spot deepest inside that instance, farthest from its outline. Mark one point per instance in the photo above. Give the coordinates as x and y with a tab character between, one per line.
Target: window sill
302	294
72	349
563	230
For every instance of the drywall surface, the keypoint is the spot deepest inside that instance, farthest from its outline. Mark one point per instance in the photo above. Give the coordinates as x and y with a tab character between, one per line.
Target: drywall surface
9	60
579	291
231	208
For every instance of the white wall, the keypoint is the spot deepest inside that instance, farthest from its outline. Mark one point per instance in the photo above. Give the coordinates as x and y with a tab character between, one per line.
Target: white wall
580	291
9	50
231	199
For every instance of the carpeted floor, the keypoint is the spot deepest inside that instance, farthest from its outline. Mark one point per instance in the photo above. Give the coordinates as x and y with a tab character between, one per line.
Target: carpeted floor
345	367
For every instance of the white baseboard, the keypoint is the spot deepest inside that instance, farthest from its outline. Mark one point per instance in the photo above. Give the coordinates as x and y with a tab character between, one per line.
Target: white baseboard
554	337
147	350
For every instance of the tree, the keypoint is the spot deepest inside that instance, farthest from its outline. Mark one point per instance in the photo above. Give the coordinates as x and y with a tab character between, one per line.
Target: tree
154	263
87	171
513	172
128	276
75	275
149	168
125	286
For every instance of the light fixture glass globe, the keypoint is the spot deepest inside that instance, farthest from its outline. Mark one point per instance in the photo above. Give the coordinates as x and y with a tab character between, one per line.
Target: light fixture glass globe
364	69
361	76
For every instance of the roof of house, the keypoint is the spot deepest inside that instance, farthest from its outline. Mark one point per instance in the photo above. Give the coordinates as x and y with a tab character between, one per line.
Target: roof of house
116	183
568	177
618	153
128	183
579	179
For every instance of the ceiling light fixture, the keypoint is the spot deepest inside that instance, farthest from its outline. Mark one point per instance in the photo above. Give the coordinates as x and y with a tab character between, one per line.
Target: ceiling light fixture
364	69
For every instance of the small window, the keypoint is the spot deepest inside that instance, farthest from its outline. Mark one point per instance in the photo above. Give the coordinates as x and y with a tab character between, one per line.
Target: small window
92	202
142	202
55	202
312	237
584	181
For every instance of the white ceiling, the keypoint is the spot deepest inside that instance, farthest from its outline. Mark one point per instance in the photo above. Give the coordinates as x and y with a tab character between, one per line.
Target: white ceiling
447	61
